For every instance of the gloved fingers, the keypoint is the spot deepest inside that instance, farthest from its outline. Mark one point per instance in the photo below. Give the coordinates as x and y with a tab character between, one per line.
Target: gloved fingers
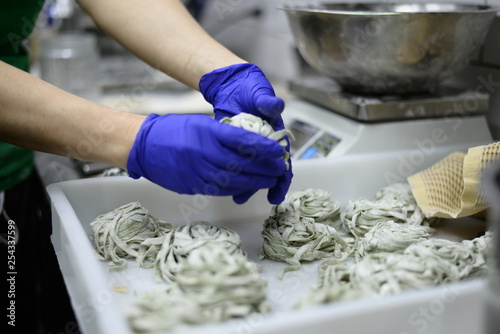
239	176
250	163
269	105
221	113
234	178
244	197
217	182
277	194
236	184
275	167
269	108
247	143
216	189
242	88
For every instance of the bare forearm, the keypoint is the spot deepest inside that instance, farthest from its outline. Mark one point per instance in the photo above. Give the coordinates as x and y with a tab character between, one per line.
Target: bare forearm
162	33
39	116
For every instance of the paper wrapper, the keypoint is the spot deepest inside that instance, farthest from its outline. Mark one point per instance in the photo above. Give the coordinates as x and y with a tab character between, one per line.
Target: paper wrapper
451	188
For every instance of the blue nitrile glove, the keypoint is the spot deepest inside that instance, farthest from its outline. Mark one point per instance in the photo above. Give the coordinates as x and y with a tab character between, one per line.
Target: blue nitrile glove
195	154
244	88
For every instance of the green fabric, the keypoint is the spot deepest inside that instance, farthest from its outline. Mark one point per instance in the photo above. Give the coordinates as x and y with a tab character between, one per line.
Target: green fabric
17	21
16	164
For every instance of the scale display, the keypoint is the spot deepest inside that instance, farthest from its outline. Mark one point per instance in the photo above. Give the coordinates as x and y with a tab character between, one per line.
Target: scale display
320	148
307	144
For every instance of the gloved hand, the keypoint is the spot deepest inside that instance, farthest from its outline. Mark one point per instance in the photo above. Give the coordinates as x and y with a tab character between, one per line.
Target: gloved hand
244	88
195	154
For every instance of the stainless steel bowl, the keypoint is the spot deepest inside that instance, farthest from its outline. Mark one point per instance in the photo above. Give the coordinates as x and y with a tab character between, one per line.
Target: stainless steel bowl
389	48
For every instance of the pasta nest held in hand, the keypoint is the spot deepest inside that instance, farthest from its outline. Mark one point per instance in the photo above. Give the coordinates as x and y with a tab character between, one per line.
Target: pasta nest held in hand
256	124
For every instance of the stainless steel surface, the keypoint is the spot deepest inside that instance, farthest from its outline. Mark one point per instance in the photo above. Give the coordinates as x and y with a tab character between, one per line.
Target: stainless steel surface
444	101
389	48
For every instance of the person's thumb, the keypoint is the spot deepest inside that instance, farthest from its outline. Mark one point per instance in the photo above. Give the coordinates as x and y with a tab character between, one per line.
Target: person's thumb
271	108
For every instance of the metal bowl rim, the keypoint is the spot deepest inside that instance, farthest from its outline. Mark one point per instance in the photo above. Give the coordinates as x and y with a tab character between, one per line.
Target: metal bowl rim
313	8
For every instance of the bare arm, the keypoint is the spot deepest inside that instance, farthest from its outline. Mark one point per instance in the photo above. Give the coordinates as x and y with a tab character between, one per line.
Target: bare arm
163	34
39	116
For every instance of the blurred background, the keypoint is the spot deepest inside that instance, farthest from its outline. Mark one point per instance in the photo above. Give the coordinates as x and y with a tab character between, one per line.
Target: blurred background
256	30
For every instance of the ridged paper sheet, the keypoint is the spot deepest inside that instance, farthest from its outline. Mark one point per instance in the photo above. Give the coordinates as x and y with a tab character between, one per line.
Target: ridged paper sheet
451	187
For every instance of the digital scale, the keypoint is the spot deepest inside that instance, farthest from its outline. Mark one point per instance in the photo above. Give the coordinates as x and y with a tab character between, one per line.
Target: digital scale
328	122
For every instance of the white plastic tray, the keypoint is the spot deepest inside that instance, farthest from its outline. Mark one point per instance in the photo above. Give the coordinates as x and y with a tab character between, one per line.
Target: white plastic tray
452	308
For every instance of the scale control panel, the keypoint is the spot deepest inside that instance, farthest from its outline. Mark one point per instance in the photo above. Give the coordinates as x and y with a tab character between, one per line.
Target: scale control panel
321	134
310	142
